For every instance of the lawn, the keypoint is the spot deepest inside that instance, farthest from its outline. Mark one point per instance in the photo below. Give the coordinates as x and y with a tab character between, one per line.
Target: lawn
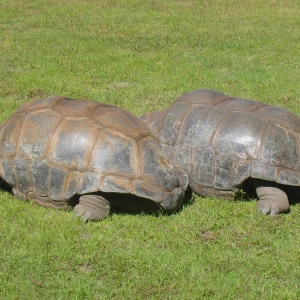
141	55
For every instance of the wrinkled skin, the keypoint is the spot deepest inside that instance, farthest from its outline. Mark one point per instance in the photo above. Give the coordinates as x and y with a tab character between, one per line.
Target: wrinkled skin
227	144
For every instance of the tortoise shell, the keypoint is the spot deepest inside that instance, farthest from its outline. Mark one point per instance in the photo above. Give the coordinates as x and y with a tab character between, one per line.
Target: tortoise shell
222	141
58	147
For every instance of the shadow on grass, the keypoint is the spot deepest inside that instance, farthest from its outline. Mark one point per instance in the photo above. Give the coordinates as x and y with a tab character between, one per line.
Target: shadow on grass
133	205
124	203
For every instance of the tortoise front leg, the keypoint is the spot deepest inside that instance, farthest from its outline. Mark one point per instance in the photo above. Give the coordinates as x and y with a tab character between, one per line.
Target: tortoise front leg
272	200
92	208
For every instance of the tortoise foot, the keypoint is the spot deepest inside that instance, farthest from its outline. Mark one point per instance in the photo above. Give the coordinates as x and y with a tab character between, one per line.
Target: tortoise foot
272	201
92	208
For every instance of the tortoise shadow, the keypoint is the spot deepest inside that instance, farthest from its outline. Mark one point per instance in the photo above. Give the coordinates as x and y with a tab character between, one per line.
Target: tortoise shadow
5	187
123	203
126	204
133	205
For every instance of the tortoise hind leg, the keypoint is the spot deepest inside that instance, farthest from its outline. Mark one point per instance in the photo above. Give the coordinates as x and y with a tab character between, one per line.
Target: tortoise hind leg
92	208
272	200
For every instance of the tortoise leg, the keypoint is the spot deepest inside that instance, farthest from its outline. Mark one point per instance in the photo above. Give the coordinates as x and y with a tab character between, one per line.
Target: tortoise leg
272	200
92	208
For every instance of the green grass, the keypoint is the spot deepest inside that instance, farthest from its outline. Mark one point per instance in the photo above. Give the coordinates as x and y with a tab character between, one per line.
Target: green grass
141	55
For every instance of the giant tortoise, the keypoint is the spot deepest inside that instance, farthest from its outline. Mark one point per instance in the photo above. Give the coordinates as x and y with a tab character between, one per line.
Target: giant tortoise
228	144
61	152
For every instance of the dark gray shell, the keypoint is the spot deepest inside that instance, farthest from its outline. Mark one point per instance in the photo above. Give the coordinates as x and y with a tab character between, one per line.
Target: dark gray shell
221	141
58	147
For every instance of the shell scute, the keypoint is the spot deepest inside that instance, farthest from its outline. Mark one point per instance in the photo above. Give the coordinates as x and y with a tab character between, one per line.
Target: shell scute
167	130
72	184
68	107
280	147
200	125
144	190
9	134
40	172
240	133
39	104
21	167
6	167
288	177
58	180
203	96
69	144
36	133
89	182
120	120
115	184
113	153
155	162
240	104
280	116
203	165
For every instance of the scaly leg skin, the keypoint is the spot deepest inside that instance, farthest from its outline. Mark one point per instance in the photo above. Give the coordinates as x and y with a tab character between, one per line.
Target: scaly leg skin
92	208
272	200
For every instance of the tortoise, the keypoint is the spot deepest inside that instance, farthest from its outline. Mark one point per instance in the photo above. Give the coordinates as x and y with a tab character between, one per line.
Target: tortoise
229	145
63	153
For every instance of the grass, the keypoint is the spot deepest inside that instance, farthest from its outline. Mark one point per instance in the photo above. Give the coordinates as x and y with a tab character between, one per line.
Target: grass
141	55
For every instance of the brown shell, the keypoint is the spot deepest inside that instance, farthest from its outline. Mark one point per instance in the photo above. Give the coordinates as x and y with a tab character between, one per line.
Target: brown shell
58	147
221	141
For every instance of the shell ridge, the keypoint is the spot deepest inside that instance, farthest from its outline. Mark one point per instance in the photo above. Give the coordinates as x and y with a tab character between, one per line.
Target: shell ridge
222	100
19	132
29	175
15	154
178	132
66	180
261	142
53	135
99	104
120	132
183	120
137	160
91	152
256	108
155	184
213	136
282	125
49	175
